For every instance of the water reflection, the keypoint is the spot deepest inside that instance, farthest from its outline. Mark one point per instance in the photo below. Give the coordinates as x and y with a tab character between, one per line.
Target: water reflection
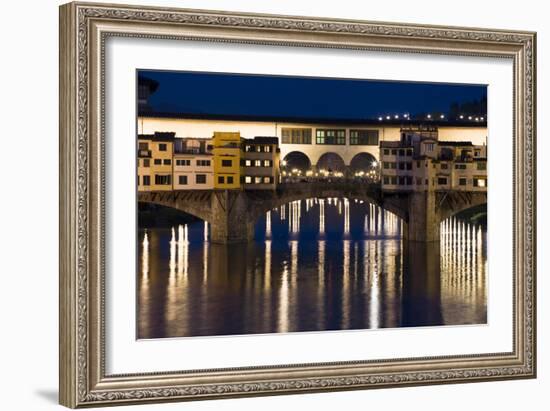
317	264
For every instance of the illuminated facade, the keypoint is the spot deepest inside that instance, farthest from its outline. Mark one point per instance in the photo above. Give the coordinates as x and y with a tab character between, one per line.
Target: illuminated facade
347	140
155	155
227	160
193	164
260	163
421	162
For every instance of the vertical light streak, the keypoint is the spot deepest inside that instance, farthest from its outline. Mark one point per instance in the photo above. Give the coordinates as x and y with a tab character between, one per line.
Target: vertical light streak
346	216
346	309
374	303
268	224
267	265
205	248
321	284
145	257
321	216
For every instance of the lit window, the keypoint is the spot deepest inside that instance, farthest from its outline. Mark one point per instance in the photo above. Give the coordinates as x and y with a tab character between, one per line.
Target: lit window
480	182
248	179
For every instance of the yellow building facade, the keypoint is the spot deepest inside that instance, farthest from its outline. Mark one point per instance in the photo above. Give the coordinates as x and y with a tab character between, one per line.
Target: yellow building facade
155	162
227	160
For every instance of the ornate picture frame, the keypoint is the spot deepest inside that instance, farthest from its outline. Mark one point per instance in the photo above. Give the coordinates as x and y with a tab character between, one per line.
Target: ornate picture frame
84	28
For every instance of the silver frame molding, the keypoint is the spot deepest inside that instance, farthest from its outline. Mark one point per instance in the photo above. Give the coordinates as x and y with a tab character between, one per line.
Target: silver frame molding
84	27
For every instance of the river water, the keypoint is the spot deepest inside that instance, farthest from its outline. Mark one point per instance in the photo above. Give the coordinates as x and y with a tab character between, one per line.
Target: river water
317	264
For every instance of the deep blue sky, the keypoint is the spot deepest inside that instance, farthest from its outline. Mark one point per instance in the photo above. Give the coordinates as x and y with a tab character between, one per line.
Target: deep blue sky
282	96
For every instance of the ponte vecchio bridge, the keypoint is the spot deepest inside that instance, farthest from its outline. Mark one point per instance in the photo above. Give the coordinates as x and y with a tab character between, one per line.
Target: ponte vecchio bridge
232	214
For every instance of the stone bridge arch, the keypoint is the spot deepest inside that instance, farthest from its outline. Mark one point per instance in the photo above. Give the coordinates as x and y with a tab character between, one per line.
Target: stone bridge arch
195	203
453	202
262	202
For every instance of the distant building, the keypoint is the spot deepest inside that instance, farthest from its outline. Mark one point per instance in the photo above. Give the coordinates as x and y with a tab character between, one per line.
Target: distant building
193	164
155	152
260	163
419	161
227	160
146	87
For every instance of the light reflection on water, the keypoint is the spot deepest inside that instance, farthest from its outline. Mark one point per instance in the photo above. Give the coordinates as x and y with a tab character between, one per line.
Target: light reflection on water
317	264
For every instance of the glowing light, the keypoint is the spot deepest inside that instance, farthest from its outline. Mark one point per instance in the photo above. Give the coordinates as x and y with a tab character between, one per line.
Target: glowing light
284	163
396	116
322	216
429	116
268	224
380	119
145	257
469	117
374	163
388	117
461	116
346	216
442	116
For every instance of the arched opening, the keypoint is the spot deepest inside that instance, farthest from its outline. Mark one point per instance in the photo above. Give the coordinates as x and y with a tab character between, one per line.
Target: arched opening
476	214
365	166
158	215
295	163
331	164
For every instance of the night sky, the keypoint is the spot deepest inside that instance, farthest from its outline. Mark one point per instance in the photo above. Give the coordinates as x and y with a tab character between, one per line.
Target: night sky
304	97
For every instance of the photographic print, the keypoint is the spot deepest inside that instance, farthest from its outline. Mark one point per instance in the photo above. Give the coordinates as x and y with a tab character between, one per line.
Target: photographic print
275	204
244	192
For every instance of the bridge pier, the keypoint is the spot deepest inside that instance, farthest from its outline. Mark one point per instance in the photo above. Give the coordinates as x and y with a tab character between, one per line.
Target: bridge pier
423	224
231	222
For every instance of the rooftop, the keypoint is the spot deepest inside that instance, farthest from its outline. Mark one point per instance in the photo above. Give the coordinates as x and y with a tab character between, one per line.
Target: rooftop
262	140
158	136
324	120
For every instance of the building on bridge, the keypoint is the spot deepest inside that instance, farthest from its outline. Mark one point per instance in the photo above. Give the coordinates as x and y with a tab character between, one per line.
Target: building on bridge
260	165
155	155
320	144
227	160
193	164
419	161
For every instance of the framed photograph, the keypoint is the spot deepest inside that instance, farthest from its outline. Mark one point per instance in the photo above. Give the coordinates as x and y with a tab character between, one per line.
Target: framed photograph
259	204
